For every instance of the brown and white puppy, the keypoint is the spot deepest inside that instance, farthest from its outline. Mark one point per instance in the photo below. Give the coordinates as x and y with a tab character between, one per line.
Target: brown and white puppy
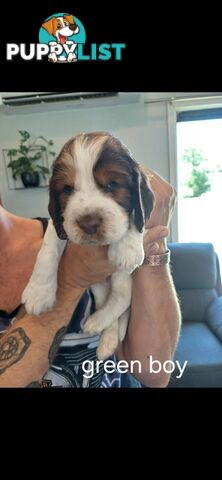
99	196
61	28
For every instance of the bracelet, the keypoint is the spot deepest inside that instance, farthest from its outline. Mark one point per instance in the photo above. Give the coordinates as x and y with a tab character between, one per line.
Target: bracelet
157	260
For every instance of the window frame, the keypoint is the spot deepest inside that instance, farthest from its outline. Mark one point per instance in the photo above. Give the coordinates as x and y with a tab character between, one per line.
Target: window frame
173	108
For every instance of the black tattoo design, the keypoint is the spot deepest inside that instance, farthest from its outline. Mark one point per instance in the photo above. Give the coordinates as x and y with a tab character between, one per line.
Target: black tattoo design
12	348
42	384
55	344
33	385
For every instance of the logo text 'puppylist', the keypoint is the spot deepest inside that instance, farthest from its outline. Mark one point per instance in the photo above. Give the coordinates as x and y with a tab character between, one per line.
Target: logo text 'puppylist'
62	39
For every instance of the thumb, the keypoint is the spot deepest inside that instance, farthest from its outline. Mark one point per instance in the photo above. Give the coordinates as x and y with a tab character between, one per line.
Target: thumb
156	233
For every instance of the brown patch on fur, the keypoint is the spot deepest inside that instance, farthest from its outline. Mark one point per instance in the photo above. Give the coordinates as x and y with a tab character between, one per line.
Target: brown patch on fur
115	165
54	24
70	19
63	175
92	137
105	173
131	191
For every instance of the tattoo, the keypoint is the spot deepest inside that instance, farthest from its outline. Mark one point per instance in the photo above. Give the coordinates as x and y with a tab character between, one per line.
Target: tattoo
42	384
55	344
12	348
33	385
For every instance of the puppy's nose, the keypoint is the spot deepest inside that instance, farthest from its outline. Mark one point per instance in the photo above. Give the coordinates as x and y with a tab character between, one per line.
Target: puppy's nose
73	27
89	223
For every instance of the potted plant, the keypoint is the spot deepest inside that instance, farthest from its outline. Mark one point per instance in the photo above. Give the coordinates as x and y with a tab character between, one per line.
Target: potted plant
24	159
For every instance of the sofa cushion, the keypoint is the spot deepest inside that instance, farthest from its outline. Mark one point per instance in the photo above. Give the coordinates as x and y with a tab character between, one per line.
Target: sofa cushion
194	303
203	351
214	317
193	265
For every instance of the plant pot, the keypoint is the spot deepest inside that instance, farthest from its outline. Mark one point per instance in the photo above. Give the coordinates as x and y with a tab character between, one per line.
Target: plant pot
30	179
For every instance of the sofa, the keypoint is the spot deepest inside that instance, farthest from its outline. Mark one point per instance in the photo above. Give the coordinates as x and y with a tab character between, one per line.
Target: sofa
196	274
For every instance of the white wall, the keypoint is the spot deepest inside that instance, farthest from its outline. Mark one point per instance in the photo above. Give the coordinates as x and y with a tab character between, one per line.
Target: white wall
142	127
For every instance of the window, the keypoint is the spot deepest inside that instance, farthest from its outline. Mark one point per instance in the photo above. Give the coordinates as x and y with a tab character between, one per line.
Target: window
199	157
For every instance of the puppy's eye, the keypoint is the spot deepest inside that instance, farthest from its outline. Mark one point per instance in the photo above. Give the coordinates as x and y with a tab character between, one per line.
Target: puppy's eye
59	25
68	189
111	186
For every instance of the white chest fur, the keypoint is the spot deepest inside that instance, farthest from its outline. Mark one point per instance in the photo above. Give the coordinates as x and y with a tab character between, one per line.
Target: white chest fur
112	301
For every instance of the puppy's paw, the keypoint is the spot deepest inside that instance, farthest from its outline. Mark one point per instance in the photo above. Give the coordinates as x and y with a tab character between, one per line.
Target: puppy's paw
72	57
107	344
126	255
95	323
39	298
52	57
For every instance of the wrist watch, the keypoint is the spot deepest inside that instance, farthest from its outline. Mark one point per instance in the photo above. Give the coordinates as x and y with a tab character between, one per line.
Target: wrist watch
157	260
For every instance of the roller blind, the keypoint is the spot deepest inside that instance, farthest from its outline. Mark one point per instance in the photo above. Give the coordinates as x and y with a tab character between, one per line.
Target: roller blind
194	115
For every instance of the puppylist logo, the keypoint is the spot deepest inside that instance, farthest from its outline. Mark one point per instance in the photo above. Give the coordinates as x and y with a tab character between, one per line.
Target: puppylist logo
62	39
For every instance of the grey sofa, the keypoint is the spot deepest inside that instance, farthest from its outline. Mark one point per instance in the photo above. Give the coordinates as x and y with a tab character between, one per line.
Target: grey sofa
196	274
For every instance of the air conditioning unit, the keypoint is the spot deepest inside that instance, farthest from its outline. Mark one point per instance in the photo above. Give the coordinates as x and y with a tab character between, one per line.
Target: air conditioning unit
33	102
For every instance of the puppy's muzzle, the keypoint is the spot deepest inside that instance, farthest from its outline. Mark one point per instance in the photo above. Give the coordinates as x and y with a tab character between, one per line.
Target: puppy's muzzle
89	223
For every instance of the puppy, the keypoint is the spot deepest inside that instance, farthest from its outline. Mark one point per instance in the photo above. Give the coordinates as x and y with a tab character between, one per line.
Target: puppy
61	28
98	196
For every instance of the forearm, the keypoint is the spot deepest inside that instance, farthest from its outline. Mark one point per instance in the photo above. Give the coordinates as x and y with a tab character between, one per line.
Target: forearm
35	341
155	322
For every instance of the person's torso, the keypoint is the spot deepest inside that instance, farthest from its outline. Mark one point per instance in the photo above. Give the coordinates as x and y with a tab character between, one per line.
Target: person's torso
75	364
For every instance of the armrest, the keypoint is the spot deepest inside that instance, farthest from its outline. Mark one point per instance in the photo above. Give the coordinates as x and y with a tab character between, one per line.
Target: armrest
214	317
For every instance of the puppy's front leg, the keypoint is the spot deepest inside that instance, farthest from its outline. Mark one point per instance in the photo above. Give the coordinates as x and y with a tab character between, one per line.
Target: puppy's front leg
40	293
114	332
108	341
127	253
117	302
112	335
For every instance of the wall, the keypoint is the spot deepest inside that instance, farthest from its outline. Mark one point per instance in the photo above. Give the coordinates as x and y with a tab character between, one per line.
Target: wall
142	127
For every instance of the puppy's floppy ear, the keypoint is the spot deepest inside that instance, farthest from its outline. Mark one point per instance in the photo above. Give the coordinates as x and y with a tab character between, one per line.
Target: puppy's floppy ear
55	211
70	18
49	25
143	199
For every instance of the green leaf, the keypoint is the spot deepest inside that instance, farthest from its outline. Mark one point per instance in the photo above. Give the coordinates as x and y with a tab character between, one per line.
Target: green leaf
12	152
199	182
43	169
37	156
24	149
43	138
25	135
12	164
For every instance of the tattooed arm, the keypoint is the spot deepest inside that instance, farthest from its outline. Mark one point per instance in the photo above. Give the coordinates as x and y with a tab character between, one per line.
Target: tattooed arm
29	346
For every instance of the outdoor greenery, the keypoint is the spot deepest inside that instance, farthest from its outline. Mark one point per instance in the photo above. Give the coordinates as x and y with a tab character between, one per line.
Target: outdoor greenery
30	150
199	180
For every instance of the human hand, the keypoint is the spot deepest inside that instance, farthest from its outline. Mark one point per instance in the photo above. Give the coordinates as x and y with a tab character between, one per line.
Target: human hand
158	223
154	241
83	266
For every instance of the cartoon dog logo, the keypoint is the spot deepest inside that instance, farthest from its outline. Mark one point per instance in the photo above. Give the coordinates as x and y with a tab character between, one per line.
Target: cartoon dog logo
61	27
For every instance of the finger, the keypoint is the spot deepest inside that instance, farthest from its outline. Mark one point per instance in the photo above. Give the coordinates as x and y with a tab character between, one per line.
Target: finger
155	233
152	248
